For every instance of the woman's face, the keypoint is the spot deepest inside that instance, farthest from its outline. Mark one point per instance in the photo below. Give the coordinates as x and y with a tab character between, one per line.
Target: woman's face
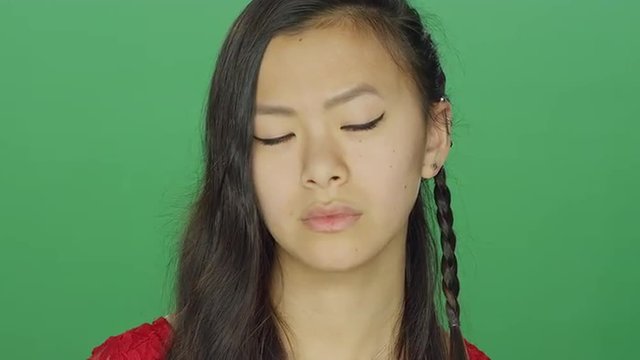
325	161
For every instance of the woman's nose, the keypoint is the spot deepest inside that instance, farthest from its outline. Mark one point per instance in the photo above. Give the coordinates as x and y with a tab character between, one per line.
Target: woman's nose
323	163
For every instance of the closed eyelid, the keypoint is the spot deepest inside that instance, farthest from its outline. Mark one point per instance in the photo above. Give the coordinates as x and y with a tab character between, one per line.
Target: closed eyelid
360	127
367	125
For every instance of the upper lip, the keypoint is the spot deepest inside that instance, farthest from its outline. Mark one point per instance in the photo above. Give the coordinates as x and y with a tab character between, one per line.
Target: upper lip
329	210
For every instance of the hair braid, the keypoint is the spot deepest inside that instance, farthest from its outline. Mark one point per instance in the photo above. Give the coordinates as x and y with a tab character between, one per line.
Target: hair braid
449	264
435	80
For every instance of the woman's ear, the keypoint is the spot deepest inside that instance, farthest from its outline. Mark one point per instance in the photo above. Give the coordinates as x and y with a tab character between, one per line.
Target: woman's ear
438	140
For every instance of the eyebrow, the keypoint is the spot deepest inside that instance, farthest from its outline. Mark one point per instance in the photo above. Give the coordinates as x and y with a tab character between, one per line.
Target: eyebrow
341	98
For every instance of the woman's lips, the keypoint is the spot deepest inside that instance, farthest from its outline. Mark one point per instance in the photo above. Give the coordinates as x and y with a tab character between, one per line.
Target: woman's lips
331	223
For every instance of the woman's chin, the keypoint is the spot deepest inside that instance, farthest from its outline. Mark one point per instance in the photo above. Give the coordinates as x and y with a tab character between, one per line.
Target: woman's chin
339	256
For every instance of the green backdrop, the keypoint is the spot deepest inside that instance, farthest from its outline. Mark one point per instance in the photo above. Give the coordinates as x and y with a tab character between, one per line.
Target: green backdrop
101	104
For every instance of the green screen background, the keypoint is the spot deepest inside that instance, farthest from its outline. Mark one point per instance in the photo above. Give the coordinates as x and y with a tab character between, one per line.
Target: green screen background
101	104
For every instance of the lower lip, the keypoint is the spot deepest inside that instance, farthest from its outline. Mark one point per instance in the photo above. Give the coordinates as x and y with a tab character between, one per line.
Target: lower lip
330	224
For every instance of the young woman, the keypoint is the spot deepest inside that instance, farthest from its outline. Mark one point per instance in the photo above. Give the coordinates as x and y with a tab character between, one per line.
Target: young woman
311	237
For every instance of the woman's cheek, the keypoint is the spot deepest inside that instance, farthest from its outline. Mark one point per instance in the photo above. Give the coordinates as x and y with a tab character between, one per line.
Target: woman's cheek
274	180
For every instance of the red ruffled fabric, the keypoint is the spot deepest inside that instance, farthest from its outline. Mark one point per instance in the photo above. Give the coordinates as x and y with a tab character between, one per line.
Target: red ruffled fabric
144	342
475	353
152	341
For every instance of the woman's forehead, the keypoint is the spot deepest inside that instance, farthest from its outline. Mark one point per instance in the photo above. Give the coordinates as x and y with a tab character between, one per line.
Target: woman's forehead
320	63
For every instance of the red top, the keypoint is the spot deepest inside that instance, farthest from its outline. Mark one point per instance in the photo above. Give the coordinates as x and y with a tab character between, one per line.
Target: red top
151	342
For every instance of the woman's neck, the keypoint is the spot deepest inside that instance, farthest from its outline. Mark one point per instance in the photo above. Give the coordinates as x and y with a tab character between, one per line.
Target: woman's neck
350	315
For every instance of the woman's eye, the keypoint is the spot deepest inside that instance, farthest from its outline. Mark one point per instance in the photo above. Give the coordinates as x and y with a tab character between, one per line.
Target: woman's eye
275	141
368	126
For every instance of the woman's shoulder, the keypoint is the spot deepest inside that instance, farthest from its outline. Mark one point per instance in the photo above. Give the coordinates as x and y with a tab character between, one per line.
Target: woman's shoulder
474	352
148	341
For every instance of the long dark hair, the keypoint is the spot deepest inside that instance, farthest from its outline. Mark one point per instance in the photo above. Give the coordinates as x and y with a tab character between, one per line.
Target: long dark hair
223	307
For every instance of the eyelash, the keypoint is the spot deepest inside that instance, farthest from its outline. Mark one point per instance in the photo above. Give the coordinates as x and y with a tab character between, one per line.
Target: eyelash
364	127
